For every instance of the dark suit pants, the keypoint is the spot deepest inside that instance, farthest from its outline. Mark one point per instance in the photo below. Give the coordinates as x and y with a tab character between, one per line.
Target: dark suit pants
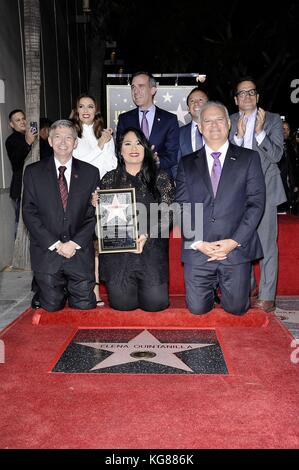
66	285
234	283
135	292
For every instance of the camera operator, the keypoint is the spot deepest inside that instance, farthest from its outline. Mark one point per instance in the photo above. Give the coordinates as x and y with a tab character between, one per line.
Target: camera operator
18	145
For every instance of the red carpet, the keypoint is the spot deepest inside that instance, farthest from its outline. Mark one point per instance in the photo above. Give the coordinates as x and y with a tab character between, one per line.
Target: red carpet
255	406
288	259
288	274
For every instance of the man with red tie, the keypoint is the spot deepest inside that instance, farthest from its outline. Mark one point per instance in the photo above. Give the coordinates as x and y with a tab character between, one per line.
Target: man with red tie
227	182
58	213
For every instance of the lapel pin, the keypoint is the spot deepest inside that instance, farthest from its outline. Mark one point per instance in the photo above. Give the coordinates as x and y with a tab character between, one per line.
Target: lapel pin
75	175
232	158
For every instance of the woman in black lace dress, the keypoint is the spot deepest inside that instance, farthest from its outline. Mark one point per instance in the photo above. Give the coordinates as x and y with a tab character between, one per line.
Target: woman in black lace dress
140	280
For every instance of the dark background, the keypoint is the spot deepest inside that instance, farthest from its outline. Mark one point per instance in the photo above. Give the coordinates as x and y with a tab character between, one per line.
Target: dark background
224	40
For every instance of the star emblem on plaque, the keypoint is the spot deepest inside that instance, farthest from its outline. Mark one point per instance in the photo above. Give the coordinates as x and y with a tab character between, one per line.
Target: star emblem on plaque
117	220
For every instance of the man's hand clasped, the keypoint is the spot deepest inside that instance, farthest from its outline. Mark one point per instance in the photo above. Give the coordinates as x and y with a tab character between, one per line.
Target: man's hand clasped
218	250
67	250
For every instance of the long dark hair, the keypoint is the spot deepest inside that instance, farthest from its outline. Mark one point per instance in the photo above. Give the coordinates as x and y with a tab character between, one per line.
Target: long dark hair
148	172
98	123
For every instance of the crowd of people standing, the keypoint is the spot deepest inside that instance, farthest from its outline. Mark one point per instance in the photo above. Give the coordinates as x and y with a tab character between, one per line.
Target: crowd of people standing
241	168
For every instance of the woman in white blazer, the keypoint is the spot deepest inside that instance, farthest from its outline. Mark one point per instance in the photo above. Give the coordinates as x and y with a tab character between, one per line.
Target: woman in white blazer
95	146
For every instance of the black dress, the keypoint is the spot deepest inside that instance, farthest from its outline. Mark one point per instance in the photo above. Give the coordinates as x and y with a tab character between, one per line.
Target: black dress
130	272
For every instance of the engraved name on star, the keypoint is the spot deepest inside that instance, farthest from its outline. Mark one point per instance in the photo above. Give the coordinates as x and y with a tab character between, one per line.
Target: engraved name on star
144	343
116	209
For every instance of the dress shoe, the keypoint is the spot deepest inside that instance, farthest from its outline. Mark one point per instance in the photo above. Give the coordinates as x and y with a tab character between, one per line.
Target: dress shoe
266	305
35	302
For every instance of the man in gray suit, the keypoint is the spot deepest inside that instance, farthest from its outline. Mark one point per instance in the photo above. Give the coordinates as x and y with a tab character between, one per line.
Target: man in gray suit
259	130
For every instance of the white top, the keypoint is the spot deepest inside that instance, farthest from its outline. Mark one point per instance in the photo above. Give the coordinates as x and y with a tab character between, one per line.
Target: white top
88	151
249	133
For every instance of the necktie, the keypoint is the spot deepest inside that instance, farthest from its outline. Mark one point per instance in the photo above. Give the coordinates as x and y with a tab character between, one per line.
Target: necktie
198	139
62	186
144	124
216	171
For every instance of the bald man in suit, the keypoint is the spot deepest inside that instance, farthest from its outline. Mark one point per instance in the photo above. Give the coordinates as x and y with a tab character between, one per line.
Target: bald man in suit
228	183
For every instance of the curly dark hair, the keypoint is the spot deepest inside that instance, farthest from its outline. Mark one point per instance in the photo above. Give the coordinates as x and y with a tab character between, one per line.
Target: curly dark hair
149	168
98	124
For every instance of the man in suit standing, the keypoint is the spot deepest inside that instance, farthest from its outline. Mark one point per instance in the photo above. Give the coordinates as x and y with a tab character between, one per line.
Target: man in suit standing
58	213
190	138
228	182
256	129
160	127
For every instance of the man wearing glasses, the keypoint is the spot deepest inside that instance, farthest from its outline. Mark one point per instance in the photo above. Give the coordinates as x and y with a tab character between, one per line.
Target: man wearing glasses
260	130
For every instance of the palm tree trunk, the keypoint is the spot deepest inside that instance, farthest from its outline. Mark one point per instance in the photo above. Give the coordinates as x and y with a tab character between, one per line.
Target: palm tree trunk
21	256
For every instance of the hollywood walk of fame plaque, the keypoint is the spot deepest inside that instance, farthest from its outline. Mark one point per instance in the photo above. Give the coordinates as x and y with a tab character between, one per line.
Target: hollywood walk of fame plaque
117	220
143	351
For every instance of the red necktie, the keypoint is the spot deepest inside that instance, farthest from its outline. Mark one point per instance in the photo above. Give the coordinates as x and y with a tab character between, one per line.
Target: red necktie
62	186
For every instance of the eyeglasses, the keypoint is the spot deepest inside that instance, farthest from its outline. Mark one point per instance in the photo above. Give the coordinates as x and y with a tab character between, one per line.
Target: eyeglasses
244	93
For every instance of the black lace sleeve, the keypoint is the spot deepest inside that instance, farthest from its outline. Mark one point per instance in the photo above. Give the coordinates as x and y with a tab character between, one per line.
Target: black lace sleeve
166	189
107	182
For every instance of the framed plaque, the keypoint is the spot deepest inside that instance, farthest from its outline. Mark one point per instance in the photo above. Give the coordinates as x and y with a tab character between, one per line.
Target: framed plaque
117	220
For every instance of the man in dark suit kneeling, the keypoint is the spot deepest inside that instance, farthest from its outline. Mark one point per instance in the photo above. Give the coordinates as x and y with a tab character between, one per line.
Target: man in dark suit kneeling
228	183
58	213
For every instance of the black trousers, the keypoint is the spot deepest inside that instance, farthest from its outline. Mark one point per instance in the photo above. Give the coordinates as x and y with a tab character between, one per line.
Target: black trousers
233	280
66	285
135	292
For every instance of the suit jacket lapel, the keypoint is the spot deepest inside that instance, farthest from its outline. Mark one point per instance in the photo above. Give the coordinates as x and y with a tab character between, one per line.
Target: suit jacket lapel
53	189
227	173
156	124
202	166
75	178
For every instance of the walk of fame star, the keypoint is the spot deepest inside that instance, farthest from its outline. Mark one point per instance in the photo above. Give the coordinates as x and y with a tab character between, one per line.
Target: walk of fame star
116	209
160	353
143	351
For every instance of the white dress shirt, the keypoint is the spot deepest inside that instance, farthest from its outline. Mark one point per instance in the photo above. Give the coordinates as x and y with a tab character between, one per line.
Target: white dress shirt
249	133
210	162
67	175
88	151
